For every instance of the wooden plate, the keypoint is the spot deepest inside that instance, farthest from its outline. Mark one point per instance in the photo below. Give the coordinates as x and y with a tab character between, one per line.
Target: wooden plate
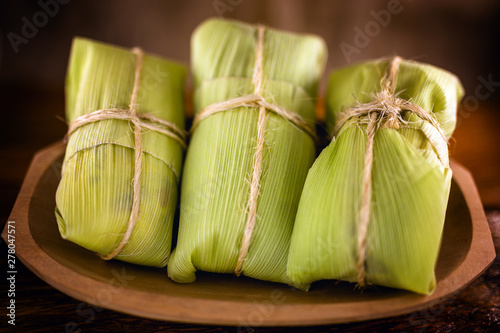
467	250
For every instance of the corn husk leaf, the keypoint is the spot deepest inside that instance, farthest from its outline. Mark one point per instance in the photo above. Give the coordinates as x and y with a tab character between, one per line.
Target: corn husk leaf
94	197
410	186
219	161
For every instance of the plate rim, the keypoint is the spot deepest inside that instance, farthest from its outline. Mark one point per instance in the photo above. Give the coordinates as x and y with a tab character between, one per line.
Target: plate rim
208	311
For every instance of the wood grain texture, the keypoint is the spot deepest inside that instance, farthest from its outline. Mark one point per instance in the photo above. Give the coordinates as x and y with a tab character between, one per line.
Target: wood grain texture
41	308
467	250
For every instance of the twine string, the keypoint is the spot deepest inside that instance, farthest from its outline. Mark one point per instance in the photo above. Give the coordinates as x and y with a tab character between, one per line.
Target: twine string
147	121
259	152
256	100
134	214
384	111
139	121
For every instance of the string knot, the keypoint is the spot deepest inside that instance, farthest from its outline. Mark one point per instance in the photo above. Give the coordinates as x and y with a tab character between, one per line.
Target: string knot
385	111
390	109
139	121
256	100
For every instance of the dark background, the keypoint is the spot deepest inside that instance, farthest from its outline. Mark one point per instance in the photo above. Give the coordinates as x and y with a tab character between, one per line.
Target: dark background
461	36
458	35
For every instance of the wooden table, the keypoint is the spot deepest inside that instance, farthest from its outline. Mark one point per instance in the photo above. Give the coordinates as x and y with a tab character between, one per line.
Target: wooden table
41	308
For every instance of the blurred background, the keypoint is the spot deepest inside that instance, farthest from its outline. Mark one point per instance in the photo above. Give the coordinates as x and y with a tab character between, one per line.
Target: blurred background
461	36
458	35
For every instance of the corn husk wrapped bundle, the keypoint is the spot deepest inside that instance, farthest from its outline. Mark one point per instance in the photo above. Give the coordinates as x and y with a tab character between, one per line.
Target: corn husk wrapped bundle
251	147
374	202
119	187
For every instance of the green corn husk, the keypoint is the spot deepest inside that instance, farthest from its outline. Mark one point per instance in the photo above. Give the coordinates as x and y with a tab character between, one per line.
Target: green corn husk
94	197
219	162
410	187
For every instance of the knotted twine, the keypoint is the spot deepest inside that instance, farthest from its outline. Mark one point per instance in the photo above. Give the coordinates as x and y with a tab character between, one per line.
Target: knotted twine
255	100
139	121
384	111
